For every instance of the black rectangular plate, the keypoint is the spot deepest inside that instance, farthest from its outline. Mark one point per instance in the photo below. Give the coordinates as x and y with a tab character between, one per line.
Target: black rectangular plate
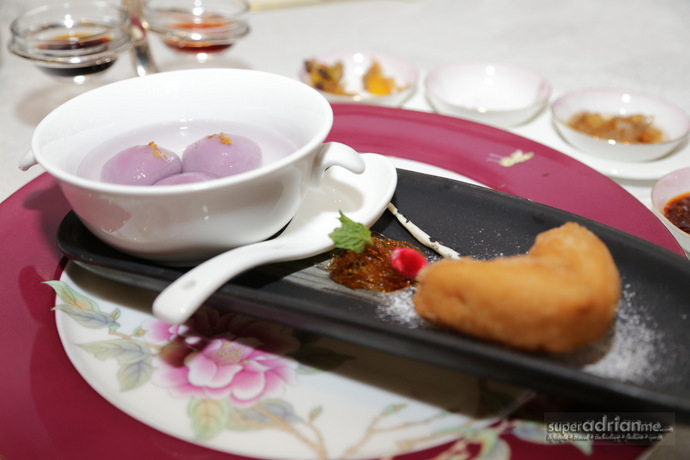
641	366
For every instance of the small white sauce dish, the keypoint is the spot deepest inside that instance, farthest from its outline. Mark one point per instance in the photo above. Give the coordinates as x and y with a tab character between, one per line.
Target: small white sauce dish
498	94
355	66
670	186
671	120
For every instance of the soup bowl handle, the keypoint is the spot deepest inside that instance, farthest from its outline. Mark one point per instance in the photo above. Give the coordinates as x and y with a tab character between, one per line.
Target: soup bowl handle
336	154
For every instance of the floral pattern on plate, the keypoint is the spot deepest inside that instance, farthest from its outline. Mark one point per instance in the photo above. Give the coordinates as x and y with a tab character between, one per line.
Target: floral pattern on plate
251	387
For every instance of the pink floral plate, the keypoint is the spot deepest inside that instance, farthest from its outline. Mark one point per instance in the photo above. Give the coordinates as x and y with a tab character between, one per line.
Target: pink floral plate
263	390
289	395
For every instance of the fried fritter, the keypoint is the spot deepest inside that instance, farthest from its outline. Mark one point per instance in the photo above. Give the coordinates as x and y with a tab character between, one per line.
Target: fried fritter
561	295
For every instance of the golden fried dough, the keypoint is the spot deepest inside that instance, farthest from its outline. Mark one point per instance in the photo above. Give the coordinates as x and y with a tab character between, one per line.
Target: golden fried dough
561	295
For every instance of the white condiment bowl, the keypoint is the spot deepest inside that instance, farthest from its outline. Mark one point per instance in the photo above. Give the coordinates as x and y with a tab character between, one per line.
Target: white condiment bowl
497	94
671	120
355	66
190	222
667	188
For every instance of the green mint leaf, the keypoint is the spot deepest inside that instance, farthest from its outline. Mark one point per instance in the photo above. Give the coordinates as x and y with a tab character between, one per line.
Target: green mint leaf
351	235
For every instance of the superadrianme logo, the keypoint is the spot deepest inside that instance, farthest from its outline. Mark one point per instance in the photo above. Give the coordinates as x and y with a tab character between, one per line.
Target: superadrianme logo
629	428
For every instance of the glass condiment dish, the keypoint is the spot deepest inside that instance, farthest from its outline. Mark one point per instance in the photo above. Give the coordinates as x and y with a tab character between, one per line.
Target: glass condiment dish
72	41
199	28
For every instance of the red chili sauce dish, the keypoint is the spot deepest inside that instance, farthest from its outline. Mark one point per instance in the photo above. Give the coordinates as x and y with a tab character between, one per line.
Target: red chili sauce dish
677	211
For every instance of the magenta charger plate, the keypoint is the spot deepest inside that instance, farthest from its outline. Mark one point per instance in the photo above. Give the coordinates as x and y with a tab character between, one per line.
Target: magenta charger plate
48	409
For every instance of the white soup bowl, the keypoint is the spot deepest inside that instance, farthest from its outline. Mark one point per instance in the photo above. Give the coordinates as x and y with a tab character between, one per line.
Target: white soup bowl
186	223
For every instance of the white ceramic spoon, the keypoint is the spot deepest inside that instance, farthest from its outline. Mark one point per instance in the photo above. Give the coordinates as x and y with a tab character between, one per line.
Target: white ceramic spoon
361	197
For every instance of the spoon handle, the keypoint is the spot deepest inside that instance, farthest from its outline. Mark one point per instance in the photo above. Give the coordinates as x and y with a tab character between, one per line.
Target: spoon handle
177	302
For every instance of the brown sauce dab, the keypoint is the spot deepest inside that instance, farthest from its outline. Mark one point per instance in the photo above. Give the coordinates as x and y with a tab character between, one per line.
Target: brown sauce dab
371	269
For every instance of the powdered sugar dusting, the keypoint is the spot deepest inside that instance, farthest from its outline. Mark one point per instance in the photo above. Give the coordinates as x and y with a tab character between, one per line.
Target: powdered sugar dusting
630	351
397	308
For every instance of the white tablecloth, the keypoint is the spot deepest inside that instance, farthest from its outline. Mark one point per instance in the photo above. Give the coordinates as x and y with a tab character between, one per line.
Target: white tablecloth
631	44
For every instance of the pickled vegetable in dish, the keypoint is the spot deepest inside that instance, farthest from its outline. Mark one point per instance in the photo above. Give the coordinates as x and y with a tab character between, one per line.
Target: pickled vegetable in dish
221	155
677	211
326	77
632	129
141	165
329	78
376	82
